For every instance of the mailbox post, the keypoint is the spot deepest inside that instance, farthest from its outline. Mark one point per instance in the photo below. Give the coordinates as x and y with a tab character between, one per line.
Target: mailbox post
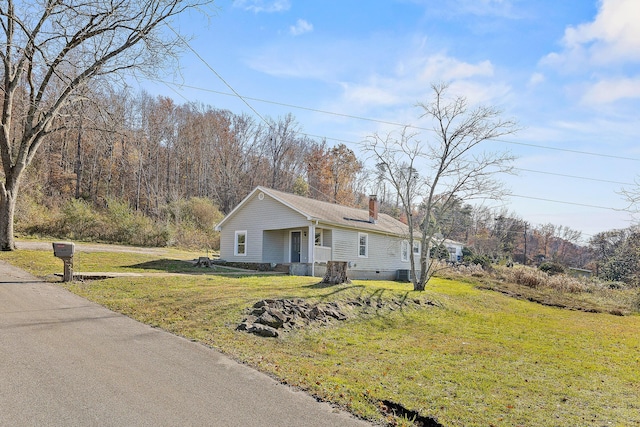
65	251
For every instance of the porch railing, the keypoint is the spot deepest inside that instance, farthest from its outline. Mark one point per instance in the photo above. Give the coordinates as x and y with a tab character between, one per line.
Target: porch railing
322	254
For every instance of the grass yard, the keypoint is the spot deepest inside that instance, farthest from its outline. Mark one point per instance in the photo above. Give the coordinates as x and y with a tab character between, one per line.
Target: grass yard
476	358
43	263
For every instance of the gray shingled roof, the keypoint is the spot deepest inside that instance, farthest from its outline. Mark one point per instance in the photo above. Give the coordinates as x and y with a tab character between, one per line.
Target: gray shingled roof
334	214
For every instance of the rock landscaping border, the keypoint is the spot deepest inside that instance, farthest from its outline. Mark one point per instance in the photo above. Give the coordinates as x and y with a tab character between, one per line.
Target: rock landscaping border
270	317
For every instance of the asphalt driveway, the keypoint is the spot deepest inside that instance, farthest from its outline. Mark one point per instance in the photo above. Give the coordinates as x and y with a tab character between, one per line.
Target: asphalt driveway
65	361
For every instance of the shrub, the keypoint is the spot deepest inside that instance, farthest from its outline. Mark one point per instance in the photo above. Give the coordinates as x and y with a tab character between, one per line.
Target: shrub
193	222
187	223
188	236
132	228
481	260
535	278
528	277
204	213
440	252
32	218
551	268
80	221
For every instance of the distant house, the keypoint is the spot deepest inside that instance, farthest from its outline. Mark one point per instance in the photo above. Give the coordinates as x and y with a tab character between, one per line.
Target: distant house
454	249
275	227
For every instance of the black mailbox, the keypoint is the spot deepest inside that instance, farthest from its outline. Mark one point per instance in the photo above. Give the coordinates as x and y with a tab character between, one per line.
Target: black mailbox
63	249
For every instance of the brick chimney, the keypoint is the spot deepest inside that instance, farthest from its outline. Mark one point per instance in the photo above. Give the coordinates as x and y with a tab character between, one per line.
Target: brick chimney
373	209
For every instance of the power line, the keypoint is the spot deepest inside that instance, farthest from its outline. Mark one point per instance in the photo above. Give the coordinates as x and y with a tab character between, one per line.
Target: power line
574	176
298	107
243	99
522	169
566	150
569	203
387	122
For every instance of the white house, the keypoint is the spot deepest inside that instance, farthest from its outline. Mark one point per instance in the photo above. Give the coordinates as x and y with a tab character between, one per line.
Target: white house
455	250
275	227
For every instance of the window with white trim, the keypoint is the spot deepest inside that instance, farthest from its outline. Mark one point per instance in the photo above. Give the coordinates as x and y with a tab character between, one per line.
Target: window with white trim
416	247
404	251
240	246
318	237
363	245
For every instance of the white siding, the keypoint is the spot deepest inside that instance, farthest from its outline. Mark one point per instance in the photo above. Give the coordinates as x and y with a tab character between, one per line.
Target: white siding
272	243
383	252
255	216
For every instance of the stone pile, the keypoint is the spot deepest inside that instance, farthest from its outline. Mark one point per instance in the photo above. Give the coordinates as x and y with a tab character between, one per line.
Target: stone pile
268	316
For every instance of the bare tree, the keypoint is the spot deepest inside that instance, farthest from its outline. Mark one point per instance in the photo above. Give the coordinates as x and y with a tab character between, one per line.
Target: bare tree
396	159
450	168
50	50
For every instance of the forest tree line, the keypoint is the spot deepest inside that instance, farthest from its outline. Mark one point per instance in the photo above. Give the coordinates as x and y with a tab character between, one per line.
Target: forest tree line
160	159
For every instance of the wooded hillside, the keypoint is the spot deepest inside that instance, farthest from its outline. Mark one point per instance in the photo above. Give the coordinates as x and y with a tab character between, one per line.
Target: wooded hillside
182	166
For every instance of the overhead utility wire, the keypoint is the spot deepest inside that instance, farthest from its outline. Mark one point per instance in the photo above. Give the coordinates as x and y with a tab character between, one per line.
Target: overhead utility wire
235	93
386	122
575	176
282	104
529	170
566	150
569	203
520	169
186	43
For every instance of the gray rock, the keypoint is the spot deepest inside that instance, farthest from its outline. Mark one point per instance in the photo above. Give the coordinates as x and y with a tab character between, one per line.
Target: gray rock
270	315
263	330
268	319
259	310
250	319
244	326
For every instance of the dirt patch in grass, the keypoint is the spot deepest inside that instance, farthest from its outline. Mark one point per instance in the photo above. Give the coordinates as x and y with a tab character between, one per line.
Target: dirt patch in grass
399	411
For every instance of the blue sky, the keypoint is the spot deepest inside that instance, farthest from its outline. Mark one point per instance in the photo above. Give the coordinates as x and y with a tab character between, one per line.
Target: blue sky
568	71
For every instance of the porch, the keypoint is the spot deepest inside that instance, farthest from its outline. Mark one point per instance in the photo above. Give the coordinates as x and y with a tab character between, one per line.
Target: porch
308	245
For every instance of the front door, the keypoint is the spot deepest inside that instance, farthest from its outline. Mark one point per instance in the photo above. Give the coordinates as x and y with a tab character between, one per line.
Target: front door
295	246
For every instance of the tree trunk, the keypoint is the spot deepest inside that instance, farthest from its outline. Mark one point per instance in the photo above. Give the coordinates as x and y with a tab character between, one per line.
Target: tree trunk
336	273
420	283
7	210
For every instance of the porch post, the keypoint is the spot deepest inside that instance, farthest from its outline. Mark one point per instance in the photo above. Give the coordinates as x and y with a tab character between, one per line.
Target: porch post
312	247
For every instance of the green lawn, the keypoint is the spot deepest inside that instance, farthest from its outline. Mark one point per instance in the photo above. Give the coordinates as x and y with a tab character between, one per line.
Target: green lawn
476	358
43	263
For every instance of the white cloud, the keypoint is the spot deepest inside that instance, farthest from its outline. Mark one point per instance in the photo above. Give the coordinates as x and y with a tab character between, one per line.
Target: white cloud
258	6
608	91
442	67
375	94
411	81
613	37
301	27
606	51
536	79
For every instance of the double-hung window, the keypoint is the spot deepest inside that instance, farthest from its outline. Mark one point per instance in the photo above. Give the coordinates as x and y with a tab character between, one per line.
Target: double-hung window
363	245
416	247
240	246
404	251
